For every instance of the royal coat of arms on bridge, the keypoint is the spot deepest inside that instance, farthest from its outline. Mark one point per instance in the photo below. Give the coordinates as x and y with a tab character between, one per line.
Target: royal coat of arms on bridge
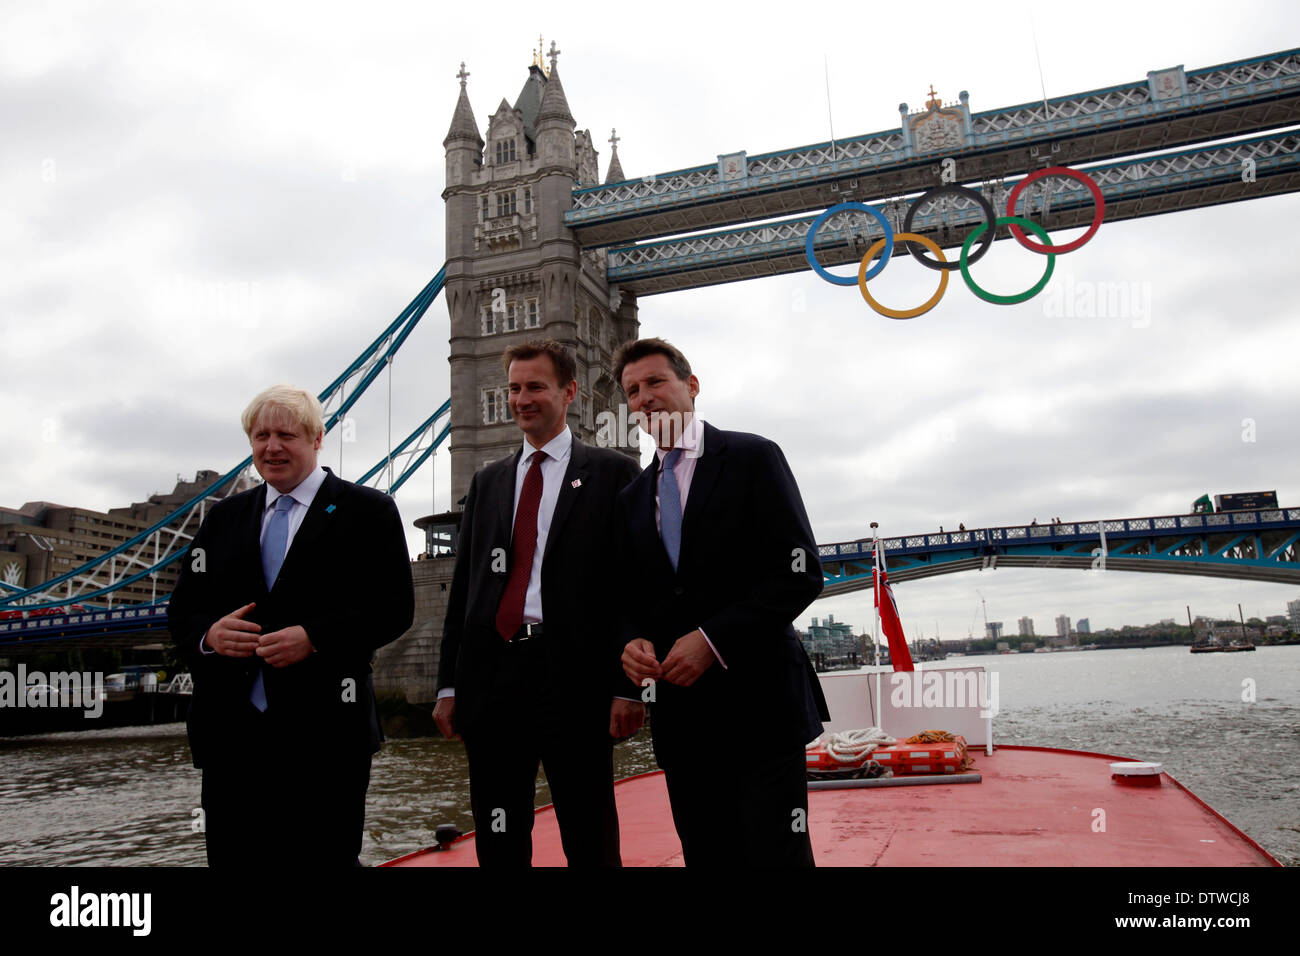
937	127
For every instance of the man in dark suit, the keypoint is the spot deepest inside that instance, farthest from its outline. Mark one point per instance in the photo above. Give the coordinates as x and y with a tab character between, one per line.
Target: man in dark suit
285	594
717	540
529	668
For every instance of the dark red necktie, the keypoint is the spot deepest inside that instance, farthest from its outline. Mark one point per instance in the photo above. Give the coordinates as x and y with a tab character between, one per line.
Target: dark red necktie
510	612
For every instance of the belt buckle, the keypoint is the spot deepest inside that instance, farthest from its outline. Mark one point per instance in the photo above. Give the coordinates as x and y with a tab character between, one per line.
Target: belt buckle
529	631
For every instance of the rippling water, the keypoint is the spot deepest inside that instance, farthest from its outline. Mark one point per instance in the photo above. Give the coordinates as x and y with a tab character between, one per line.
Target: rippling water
127	796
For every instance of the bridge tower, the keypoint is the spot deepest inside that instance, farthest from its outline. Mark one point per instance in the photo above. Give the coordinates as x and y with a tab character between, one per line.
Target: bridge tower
516	272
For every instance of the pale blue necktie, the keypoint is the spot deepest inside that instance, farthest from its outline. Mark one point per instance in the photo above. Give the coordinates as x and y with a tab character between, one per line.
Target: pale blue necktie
274	543
670	508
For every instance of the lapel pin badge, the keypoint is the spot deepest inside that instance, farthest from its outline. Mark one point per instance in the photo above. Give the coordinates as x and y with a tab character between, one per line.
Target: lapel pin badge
329	510
577	483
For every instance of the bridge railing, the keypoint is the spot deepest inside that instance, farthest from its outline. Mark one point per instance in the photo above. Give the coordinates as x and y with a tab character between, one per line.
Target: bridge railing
138	615
1227	521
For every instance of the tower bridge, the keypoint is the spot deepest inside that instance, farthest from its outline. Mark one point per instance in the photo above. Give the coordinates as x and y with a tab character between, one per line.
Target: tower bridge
1171	107
1149	186
538	246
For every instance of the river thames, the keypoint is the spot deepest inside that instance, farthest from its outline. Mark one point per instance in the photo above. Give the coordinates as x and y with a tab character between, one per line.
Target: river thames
1225	725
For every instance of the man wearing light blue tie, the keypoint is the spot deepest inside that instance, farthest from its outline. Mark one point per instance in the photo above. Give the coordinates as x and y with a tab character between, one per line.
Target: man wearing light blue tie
285	594
716	539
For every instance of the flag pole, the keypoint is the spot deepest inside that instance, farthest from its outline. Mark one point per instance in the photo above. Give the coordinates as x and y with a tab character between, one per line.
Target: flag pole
875	621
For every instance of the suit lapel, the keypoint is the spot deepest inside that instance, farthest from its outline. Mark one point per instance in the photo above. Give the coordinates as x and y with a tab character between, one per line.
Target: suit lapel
645	535
252	537
502	489
319	517
707	469
575	473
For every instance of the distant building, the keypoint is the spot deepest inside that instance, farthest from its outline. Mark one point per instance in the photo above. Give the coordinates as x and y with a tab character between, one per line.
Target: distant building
993	630
1083	627
1063	626
1293	612
43	540
1026	627
831	639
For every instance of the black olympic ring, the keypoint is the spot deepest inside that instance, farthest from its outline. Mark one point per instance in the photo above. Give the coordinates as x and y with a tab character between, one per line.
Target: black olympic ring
934	191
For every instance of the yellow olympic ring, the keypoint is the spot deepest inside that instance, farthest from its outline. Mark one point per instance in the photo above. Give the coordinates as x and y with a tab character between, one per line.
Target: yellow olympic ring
899	313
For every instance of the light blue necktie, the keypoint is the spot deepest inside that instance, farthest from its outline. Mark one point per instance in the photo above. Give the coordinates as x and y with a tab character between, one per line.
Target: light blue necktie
670	508
274	543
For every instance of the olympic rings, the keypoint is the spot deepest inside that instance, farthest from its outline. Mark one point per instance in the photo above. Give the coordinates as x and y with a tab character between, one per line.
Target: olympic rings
924	307
910	241
1065	171
1013	222
985	206
860	207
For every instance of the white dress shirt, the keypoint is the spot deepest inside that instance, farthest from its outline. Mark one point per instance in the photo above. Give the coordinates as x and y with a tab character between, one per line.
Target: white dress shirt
691	441
558	451
302	496
556	463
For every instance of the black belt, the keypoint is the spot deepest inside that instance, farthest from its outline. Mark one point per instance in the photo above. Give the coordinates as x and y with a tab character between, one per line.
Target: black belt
527	632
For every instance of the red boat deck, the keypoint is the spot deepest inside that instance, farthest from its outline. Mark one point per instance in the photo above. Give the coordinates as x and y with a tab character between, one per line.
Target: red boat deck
1033	807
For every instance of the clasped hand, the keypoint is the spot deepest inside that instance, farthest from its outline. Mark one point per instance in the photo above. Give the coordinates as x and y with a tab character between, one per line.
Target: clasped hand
233	636
689	657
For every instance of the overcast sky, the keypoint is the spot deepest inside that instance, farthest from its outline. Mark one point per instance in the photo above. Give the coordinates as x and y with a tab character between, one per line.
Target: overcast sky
202	199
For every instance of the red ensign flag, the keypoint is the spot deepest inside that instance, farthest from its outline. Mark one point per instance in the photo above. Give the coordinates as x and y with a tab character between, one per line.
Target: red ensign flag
889	620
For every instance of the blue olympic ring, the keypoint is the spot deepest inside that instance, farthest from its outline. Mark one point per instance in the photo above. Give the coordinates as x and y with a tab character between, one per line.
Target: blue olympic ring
874	270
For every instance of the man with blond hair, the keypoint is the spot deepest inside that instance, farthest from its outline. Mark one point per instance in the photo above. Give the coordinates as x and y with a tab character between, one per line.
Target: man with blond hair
286	592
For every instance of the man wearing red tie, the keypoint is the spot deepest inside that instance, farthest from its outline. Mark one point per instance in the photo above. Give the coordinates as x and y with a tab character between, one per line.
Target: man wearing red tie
529	671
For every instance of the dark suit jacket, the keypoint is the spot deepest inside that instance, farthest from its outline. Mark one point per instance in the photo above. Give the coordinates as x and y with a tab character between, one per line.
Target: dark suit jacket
346	580
580	575
748	566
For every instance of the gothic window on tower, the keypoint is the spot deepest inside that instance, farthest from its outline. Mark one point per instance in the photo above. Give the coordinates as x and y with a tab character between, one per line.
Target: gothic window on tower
489	320
534	316
512	317
495	407
505	151
506	204
486	213
528	200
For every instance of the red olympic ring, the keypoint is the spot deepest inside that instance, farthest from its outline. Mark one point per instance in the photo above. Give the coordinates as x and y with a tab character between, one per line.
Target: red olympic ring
1065	171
